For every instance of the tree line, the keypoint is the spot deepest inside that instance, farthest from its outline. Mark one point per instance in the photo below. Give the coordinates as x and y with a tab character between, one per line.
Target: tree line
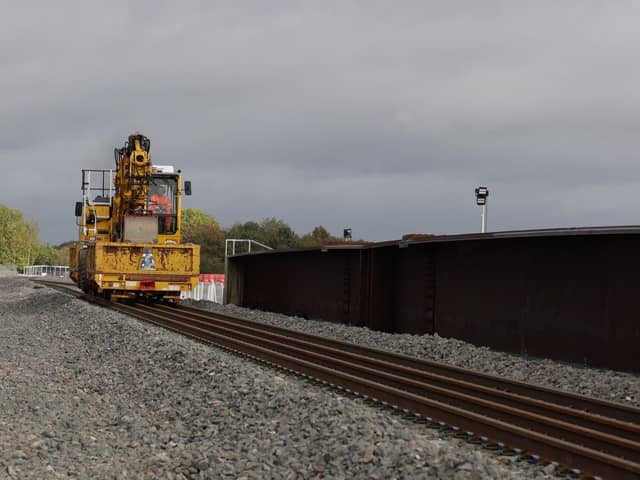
201	228
20	244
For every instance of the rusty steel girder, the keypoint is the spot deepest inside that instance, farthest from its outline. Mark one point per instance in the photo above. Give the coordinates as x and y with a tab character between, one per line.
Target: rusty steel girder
566	294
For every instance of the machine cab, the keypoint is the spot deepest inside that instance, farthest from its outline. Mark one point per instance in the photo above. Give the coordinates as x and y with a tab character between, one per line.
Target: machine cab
163	201
163	204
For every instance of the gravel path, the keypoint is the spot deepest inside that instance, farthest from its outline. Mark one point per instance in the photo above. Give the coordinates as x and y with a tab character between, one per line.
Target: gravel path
90	393
604	384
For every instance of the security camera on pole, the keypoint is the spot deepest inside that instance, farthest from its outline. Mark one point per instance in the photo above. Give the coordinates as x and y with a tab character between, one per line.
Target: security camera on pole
482	193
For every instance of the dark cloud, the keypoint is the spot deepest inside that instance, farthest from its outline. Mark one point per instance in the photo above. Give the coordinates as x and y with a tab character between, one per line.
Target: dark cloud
378	116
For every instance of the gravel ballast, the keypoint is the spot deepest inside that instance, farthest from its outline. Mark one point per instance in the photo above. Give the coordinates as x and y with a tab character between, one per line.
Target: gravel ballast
620	387
90	393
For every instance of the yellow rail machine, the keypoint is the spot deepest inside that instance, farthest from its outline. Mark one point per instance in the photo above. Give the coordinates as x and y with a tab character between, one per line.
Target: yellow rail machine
129	230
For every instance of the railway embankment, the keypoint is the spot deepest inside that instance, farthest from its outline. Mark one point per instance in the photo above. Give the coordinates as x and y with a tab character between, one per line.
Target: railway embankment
86	392
609	385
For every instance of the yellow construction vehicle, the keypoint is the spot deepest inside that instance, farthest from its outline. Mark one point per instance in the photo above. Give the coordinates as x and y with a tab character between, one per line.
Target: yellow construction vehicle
129	223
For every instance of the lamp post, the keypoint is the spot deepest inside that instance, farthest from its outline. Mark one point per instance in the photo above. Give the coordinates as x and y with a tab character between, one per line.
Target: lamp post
482	193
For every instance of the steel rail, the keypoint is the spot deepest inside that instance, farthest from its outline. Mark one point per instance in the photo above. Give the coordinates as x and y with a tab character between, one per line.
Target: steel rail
598	444
610	410
590	450
624	429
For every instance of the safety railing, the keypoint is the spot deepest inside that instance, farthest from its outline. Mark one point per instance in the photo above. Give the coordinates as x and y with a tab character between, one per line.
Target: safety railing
45	270
230	252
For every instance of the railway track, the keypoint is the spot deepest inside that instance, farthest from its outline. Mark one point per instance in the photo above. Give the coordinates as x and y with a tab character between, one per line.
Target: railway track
587	437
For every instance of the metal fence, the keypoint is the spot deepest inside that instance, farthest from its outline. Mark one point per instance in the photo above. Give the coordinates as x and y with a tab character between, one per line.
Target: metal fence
46	270
209	291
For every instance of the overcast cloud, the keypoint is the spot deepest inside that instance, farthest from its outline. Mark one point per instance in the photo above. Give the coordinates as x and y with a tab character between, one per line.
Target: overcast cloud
379	116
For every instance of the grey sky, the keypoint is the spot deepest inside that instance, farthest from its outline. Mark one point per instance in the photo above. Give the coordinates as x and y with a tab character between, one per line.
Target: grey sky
379	116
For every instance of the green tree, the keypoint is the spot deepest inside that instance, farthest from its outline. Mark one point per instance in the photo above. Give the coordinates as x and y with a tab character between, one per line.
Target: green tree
210	237
318	236
17	237
278	234
247	230
204	230
192	217
44	254
271	231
